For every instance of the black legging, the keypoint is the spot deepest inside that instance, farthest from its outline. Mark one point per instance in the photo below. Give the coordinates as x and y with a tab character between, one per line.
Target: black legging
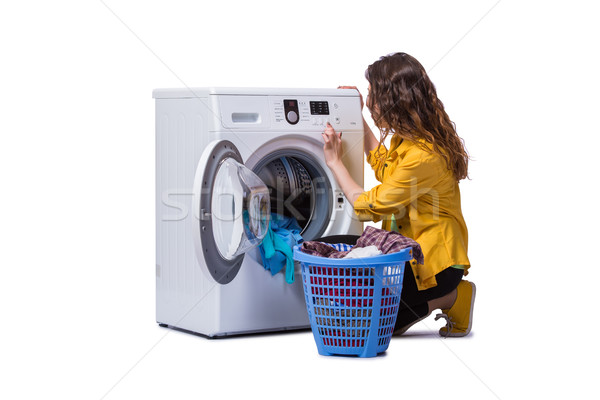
413	302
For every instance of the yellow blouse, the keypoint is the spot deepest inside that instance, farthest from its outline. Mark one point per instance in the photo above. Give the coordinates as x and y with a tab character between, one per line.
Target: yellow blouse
420	196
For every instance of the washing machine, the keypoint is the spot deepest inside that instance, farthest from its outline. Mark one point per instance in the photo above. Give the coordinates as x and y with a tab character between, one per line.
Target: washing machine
227	160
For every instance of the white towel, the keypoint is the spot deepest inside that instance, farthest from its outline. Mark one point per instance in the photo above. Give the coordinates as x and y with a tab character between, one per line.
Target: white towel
360	252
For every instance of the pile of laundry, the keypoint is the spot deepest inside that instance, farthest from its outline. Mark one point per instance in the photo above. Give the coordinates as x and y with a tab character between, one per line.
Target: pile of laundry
276	248
372	242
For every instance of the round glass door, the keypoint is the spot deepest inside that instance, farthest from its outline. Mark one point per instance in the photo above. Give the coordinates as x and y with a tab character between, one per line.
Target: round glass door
234	209
240	209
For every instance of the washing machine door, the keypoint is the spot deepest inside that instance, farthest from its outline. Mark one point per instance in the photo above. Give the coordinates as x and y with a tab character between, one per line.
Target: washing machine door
233	210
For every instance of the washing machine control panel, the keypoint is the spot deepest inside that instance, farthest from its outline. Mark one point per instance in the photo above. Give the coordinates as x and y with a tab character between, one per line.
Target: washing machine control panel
313	113
287	113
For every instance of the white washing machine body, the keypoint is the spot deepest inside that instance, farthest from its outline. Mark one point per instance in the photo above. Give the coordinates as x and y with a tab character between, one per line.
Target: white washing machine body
197	289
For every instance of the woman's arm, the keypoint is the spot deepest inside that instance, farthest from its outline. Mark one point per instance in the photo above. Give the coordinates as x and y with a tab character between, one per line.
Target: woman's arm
351	189
333	157
371	141
417	174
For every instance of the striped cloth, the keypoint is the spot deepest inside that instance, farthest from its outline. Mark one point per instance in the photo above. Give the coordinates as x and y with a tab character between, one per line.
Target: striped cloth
341	246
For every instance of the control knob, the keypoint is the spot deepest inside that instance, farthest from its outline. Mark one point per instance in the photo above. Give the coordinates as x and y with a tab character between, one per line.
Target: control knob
292	116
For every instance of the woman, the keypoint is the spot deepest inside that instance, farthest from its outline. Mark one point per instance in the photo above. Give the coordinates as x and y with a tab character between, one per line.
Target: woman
419	195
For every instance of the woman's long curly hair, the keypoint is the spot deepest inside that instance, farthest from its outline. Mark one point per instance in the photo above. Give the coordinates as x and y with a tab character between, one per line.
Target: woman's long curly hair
403	101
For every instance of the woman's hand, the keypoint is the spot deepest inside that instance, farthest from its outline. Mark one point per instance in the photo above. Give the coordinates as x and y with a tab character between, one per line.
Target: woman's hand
332	147
362	104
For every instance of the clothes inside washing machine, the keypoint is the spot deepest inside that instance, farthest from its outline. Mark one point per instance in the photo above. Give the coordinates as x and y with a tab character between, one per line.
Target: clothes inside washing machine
291	189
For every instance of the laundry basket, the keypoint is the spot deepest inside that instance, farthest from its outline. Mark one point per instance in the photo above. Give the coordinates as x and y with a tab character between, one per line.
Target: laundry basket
352	303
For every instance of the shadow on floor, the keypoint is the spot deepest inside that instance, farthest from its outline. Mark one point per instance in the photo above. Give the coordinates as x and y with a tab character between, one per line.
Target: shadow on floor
427	334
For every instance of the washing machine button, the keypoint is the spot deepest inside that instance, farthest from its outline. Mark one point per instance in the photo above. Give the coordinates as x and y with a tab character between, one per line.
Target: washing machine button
292	116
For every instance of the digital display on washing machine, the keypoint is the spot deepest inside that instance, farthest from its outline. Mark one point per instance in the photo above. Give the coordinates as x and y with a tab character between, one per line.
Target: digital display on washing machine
319	108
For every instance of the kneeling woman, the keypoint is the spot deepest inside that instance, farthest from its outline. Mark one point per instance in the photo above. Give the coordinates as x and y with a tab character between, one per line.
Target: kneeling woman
419	195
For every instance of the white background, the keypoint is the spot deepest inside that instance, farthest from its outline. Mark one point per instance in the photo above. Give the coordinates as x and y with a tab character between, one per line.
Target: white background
77	168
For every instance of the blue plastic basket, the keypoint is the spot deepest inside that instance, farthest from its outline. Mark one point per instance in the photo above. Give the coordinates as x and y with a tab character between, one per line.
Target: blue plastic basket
352	303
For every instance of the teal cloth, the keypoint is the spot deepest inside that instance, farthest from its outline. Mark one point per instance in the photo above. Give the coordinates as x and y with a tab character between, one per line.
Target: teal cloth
276	248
